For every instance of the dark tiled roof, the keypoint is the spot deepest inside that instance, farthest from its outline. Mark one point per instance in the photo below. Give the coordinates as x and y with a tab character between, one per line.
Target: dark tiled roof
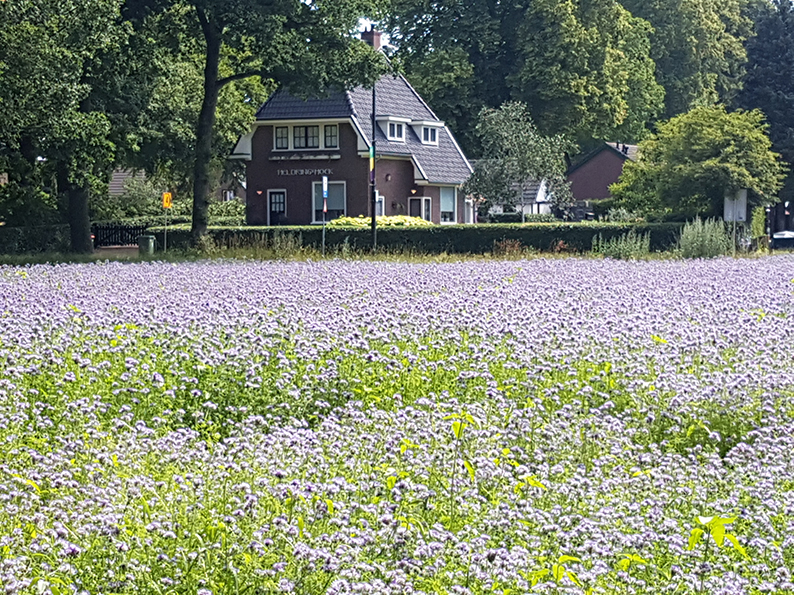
283	106
443	164
631	152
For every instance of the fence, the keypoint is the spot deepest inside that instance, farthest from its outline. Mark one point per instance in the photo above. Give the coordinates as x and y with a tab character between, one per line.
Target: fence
108	234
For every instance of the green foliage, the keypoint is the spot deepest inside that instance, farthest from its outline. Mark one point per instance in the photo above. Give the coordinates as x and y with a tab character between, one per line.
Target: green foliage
362	222
34	239
539	218
586	71
460	239
704	239
695	158
697	46
629	246
758	222
515	154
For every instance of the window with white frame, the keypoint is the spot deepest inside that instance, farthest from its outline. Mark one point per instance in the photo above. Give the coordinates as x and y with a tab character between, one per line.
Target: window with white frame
282	138
306	137
337	201
331	136
396	131
448	200
380	206
420	206
429	135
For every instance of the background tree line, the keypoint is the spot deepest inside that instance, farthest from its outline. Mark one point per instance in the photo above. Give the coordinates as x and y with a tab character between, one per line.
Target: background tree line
167	86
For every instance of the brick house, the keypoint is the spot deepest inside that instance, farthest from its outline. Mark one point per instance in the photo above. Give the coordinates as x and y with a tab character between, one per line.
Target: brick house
591	176
295	142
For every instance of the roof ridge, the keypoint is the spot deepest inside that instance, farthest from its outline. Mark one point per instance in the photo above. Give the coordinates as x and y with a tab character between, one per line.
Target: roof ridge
350	104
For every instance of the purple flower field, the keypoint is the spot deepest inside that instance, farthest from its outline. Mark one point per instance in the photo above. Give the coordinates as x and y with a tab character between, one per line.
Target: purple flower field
544	426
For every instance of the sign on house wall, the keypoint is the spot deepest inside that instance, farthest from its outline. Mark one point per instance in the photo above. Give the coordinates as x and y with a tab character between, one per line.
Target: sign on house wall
305	172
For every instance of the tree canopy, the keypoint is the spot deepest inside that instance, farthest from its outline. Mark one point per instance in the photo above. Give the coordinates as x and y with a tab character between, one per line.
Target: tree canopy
769	84
695	158
305	45
515	154
697	46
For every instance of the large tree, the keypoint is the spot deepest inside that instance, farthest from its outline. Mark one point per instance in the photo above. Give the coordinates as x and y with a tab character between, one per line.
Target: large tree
769	83
695	158
305	44
581	67
697	46
516	154
58	138
459	54
585	70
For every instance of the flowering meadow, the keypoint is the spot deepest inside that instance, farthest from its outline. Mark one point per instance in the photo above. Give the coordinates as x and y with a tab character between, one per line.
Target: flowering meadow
507	427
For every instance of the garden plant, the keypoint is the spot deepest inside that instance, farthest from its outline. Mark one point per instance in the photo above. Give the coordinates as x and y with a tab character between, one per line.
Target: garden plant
577	426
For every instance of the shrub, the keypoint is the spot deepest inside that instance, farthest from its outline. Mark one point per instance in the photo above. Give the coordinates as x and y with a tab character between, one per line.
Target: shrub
629	246
457	239
388	221
541	218
704	239
503	218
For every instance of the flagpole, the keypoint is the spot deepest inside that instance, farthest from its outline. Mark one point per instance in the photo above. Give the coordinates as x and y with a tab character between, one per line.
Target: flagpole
374	195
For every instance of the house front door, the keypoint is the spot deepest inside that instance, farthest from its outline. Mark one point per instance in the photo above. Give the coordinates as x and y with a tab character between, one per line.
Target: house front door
277	207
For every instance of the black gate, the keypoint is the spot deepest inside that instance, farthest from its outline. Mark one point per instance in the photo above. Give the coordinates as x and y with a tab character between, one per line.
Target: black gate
108	234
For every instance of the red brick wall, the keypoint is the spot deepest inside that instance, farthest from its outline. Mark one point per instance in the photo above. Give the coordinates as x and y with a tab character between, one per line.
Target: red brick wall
263	175
592	180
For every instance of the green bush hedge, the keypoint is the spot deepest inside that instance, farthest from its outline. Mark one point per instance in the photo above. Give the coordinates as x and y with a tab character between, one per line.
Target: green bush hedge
475	239
34	240
178	220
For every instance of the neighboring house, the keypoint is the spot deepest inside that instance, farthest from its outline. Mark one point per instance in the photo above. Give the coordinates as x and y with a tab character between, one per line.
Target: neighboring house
230	190
535	199
591	176
294	143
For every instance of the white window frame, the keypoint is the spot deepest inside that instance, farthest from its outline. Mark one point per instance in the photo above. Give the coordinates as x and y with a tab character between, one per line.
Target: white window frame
276	191
454	206
320	184
426	208
427	131
321	136
380	205
398	126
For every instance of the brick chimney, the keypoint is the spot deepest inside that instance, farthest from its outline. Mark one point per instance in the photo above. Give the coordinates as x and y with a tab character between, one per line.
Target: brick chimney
372	37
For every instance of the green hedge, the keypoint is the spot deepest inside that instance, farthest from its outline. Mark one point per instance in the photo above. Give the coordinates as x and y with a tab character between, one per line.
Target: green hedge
178	220
475	239
34	240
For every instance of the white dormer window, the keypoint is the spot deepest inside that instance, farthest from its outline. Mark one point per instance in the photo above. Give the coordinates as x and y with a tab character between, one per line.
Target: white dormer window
396	131
429	135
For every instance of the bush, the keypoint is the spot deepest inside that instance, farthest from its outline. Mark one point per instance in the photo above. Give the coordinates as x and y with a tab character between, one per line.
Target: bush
704	239
34	240
502	218
458	239
543	218
388	221
629	246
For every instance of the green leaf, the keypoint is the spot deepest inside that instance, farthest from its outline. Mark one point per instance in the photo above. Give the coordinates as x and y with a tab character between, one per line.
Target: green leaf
470	469
564	559
718	533
736	545
390	482
694	538
457	429
624	564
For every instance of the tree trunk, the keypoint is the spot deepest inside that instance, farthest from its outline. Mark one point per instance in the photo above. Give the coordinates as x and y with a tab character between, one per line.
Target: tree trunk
76	213
79	221
206	122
